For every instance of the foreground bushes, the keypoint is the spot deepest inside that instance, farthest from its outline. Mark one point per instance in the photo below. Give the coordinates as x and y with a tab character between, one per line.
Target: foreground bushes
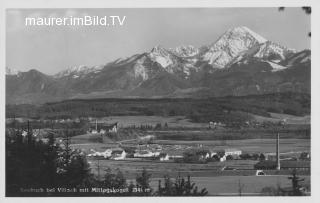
34	168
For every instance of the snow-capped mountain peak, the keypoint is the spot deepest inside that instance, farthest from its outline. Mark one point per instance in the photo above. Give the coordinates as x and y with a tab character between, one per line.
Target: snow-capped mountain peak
161	55
235	45
258	37
231	44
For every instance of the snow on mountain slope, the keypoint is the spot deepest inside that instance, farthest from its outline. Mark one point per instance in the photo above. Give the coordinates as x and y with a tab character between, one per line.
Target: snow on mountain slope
230	45
273	51
185	51
237	45
233	46
160	55
140	69
276	67
249	65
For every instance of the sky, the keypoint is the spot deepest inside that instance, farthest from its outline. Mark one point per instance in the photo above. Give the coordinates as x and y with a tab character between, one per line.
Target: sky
51	49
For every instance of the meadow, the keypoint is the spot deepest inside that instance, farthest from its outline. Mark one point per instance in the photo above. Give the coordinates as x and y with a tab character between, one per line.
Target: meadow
250	185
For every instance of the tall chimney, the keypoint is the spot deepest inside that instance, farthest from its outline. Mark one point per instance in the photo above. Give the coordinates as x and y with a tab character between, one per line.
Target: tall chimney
278	152
96	125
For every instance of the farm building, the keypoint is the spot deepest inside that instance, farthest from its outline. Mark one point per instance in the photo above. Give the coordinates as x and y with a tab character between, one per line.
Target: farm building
103	128
105	154
235	153
174	154
208	153
232	152
145	154
164	157
118	154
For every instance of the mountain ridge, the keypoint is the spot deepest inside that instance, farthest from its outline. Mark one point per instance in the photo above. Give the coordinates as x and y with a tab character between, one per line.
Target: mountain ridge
183	70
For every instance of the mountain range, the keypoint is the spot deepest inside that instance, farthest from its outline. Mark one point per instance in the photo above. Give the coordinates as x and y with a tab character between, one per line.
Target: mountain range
240	62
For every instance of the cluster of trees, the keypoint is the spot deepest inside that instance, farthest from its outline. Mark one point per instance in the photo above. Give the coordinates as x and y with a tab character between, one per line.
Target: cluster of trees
228	110
246	156
148	126
195	156
265	165
35	164
179	187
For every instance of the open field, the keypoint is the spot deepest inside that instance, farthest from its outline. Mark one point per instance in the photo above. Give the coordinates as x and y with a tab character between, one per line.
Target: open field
172	121
229	185
207	176
159	169
290	131
290	119
248	145
133	167
90	138
183	122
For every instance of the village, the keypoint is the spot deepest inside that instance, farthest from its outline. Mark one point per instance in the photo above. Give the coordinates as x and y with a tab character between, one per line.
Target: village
165	148
146	147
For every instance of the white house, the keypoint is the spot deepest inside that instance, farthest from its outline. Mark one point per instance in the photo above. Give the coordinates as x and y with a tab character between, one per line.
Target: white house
175	154
24	133
105	154
120	156
145	153
164	158
210	154
232	152
94	131
114	128
222	159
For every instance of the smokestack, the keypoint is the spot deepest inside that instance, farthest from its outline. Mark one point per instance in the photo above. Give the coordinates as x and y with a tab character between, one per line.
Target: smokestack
96	125
278	152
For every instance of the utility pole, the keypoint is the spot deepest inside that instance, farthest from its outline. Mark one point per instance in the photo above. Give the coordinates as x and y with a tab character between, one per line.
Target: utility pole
96	125
281	125
278	152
